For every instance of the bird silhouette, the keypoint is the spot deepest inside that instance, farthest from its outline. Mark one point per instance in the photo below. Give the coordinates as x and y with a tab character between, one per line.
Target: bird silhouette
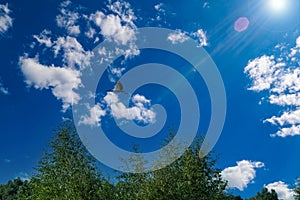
118	88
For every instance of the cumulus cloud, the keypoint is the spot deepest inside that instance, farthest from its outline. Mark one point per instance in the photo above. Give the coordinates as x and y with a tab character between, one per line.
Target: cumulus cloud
177	37
73	53
201	37
112	106
60	80
5	20
139	111
118	27
94	117
3	89
279	75
282	190
242	174
112	28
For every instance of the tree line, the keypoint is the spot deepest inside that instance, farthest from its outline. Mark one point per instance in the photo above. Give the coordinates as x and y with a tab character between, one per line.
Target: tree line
68	172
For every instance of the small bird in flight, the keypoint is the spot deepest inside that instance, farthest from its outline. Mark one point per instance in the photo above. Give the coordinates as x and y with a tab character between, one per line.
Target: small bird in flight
118	88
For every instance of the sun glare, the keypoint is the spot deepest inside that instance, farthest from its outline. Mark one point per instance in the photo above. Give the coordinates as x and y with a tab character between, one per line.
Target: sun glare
277	5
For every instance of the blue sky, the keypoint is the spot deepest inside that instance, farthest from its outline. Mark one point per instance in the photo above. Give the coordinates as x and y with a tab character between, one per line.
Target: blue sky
46	46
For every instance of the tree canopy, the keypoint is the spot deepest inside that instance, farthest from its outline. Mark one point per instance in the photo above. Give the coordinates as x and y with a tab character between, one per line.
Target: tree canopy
67	171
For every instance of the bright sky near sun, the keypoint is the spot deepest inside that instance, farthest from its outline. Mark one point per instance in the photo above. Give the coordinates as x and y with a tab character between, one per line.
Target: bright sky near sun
45	46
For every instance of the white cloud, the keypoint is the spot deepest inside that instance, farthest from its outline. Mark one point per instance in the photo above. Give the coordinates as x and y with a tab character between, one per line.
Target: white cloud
282	190
118	26
111	27
6	21
123	10
177	37
73	53
290	117
115	72
94	117
201	36
242	174
90	33
138	111
280	76
289	131
261	71
206	5
44	38
295	49
61	80
68	19
3	89
159	7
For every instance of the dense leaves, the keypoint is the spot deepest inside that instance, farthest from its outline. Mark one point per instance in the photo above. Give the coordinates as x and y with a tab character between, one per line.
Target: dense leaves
265	195
68	171
15	189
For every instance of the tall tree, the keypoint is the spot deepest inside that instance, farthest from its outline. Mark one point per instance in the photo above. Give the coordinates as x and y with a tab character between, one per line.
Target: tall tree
67	170
13	189
189	177
265	195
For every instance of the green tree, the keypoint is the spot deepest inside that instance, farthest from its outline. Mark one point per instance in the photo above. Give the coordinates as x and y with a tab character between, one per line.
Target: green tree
189	177
297	190
13	189
67	170
265	195
232	197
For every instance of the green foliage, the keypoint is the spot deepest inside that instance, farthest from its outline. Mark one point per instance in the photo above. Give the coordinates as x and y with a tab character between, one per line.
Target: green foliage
231	197
297	190
189	177
67	171
265	195
14	190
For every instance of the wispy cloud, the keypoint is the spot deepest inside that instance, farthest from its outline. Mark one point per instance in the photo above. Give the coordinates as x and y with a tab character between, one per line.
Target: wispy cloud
279	75
3	89
73	53
6	21
282	189
242	174
6	160
68	19
177	37
44	38
180	36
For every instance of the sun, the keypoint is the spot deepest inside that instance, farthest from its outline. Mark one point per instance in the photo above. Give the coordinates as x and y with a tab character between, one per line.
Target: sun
277	5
